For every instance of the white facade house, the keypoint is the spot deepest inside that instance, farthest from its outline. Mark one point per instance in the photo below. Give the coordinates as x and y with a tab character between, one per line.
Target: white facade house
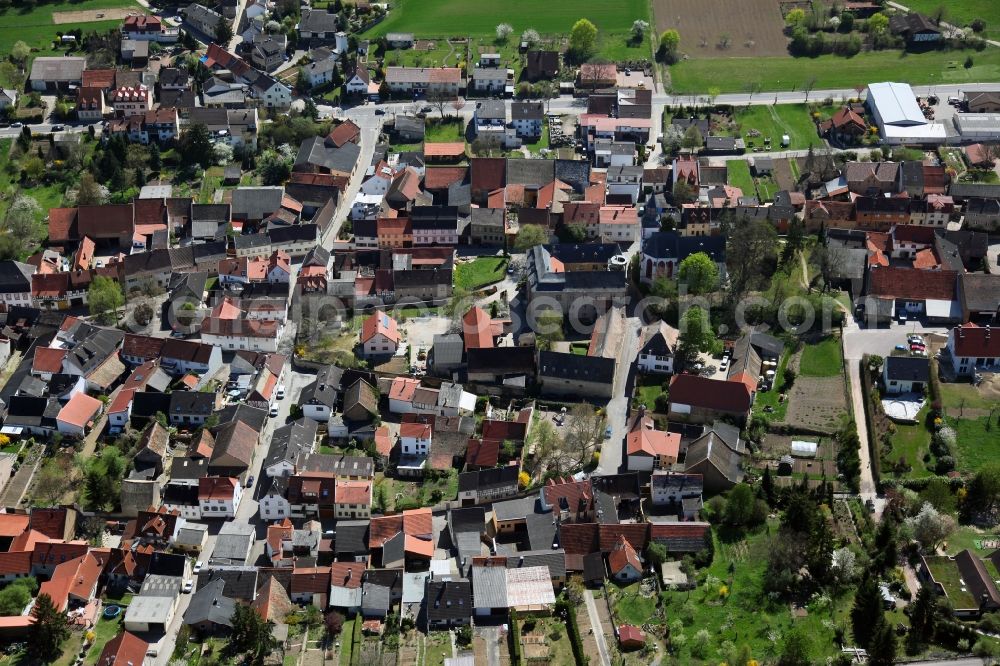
273	506
219	496
659	345
625	181
415	439
973	348
380	335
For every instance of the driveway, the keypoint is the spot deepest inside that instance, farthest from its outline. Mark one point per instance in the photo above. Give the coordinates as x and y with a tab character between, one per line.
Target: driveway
595	625
617	409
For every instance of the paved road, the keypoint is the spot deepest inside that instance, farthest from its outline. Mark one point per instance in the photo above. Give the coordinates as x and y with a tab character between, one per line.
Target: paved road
595	624
617	411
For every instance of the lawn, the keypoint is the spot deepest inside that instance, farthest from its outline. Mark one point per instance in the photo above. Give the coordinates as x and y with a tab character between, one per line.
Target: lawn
953	158
35	25
832	72
104	631
822	359
774	121
911	442
417	493
444	131
976	445
963	13
647	388
633	608
71	649
433	18
748	616
954	397
738	172
210	183
770	398
346	636
479	273
560	652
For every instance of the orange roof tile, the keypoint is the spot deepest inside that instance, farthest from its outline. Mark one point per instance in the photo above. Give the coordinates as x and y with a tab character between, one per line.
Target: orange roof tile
80	409
48	360
448	149
418	522
380	323
353	492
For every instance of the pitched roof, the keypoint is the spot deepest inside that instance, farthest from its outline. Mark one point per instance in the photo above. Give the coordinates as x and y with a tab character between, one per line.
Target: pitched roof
977	341
622	555
125	648
912	283
722	395
380	323
80	409
645	440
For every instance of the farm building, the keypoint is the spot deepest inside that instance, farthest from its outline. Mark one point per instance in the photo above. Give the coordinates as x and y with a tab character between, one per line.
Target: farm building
895	110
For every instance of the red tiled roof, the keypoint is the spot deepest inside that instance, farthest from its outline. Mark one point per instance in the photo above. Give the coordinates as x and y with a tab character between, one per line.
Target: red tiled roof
216	488
343	133
15	563
346	574
644	439
142	346
636	534
483	453
383	441
440	178
50	553
977	341
678	530
578	538
629	635
48	360
488	173
708	393
415	430
125	648
577	494
503	430
913	233
107	221
417	522
380	323
80	409
477	330
383	528
51	522
353	492
98	78
622	555
445	149
422	547
311	580
12	524
62	224
911	283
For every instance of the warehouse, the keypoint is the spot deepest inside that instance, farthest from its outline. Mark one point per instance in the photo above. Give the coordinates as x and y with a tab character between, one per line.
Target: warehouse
978	126
898	116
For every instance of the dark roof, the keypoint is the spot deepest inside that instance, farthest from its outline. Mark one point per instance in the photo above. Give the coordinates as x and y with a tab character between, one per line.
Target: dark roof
210	604
576	367
238	582
977	579
290	441
496	477
192	402
448	600
501	360
908	368
980	292
15	277
670	244
351	536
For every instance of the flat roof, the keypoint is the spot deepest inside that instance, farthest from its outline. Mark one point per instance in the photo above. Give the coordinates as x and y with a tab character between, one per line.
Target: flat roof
896	103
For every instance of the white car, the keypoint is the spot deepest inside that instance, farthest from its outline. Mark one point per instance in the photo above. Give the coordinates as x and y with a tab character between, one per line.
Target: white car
197	566
188	586
274	411
281	392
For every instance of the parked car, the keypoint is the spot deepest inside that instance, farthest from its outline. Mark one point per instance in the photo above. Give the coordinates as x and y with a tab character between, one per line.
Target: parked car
379	112
58	128
273	412
197	566
901	347
281	392
249	483
607	433
188	586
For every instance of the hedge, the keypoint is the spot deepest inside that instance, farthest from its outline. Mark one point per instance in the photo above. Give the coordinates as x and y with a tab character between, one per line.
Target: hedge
516	658
874	445
564	606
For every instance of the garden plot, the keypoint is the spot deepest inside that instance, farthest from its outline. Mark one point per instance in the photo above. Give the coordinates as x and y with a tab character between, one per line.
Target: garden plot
816	404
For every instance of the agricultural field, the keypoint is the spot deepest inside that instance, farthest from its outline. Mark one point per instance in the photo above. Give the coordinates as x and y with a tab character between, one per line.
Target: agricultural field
963	13
722	28
738	74
37	25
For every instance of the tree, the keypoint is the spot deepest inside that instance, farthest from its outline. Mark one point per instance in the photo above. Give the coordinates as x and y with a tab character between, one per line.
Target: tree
878	24
530	37
252	635
104	298
923	618
696	333
885	554
670	41
583	39
692	138
48	631
683	192
223	32
34	168
530	235
586	428
656	554
19	52
739	505
867	613
767	485
930	527
699	272
196	147
882	651
751	256
546	444
17	595
796	649
89	193
639	28
984	491
978	25
50	483
795	18
334	621
504	31
548	329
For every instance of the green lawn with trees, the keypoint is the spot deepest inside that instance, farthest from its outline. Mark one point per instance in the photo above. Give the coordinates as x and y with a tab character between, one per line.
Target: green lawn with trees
774	121
736	75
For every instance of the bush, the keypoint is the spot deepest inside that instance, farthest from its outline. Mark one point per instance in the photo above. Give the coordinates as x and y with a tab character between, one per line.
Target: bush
945	464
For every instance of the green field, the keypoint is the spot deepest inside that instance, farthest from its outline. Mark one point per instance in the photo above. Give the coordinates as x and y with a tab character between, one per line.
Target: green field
35	25
912	442
963	13
976	445
822	359
479	273
432	18
738	172
833	72
773	121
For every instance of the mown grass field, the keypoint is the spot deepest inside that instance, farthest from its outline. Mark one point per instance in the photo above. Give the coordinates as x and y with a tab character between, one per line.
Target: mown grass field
431	18
34	26
774	121
822	359
832	72
480	273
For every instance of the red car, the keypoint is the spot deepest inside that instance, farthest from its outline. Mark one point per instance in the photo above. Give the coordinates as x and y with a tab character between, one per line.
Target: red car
916	347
